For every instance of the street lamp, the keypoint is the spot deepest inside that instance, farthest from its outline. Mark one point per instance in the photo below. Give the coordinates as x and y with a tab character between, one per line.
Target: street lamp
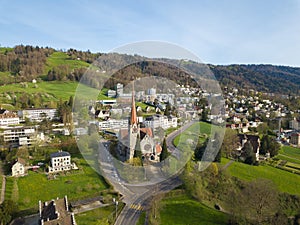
116	204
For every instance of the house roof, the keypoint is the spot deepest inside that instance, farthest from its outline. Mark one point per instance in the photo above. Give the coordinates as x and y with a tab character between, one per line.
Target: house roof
144	131
59	154
57	213
22	161
8	115
254	140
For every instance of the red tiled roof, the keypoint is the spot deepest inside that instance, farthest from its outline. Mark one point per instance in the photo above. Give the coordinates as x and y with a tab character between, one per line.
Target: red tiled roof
147	130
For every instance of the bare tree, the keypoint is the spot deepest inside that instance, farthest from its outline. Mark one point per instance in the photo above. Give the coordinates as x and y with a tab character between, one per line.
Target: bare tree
257	201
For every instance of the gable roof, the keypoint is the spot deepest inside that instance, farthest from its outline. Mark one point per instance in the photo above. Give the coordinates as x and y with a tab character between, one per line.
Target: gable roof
59	154
56	212
254	140
144	131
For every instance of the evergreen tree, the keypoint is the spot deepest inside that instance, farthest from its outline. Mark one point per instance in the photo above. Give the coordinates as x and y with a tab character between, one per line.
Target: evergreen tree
269	145
204	115
168	109
164	152
249	153
264	146
200	149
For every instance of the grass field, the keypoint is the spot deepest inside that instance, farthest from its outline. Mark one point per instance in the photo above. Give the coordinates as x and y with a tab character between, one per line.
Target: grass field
182	210
61	58
95	217
4	49
290	151
100	216
284	180
193	132
34	187
50	91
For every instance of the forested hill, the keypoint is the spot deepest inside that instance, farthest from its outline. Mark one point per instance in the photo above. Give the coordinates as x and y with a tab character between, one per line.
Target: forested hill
266	78
24	63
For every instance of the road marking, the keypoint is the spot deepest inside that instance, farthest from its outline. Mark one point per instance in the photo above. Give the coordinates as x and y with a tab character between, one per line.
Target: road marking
137	207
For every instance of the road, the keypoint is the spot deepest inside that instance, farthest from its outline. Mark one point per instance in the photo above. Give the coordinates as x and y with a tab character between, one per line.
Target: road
137	196
130	215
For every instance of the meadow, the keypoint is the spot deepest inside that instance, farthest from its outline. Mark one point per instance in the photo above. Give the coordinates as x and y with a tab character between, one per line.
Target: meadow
183	210
50	91
61	58
99	216
284	180
199	129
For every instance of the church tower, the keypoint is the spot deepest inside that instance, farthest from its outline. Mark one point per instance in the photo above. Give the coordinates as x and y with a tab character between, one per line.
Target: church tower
133	128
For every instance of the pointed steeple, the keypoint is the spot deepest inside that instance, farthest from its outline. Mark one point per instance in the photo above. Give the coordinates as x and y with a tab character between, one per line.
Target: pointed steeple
133	118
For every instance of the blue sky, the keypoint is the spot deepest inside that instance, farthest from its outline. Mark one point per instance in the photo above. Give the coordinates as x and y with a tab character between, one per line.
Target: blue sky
217	31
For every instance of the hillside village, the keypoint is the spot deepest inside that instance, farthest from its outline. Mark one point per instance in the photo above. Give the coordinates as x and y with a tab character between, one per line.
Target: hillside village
250	115
243	113
40	142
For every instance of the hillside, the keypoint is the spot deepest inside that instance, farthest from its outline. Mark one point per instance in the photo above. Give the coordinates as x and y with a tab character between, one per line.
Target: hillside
24	63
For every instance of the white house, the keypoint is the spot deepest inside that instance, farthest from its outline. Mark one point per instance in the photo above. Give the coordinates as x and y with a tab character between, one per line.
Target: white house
112	124
101	114
19	135
60	161
164	122
38	114
9	118
18	169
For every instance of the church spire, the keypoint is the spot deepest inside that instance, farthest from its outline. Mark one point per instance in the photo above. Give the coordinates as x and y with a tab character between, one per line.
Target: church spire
133	118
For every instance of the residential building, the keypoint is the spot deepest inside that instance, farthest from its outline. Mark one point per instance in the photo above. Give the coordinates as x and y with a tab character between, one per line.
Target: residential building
60	161
162	121
9	118
56	212
18	168
38	114
295	139
255	142
119	88
111	93
113	124
19	135
101	114
295	124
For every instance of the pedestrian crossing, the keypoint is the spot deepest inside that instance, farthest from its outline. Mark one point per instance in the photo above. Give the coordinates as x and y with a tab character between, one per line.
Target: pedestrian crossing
137	207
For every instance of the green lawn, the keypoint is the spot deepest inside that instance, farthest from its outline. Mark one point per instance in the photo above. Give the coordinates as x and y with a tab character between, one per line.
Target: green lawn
284	180
142	218
76	185
186	211
193	132
50	91
4	49
95	217
61	58
9	187
100	216
290	152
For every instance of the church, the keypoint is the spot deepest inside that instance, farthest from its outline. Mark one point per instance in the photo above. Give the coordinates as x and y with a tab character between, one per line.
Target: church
137	138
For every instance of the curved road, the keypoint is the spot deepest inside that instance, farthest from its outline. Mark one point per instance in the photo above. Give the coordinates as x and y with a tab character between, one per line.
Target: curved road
136	197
